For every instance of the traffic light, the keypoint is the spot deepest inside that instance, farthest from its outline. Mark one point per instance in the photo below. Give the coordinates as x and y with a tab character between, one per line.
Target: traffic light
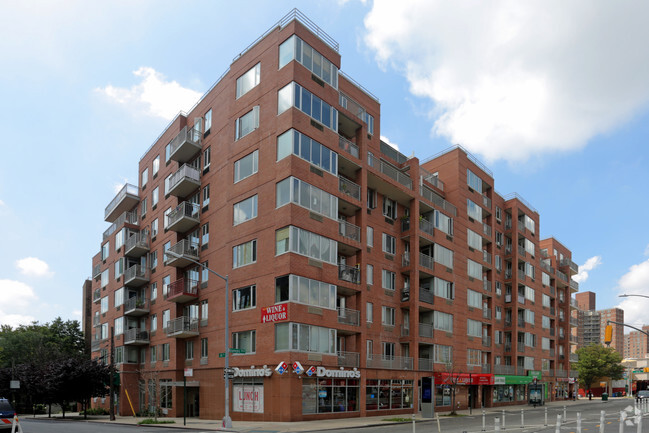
608	334
646	369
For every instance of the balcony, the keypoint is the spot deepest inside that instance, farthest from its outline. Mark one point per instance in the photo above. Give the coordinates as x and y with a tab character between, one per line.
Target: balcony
349	188
546	267
426	330
426	296
486	257
437	200
348	359
574	321
486	202
126	217
96	296
486	313
137	244
573	303
348	147
349	316
390	171
486	341
574	285
185	251
574	358
486	368
183	217
350	274
96	321
562	279
405	259
405	332
349	231
504	369
125	200
486	229
574	340
186	180
426	261
425	364
96	344
136	306
182	327
431	178
552	353
96	270
486	285
183	290
136	337
561	373
574	373
136	276
389	362
185	145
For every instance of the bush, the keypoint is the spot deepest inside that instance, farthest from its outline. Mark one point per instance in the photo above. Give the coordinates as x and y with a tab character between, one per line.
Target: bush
95	411
160	421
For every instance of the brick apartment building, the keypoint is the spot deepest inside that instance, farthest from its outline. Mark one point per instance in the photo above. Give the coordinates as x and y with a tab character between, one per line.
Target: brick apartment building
380	269
636	344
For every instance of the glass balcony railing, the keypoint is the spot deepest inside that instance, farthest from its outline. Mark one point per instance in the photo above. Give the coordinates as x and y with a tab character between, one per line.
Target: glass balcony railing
349	188
126	199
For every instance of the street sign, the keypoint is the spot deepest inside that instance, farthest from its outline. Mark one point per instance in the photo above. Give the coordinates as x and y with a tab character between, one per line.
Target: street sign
229	370
228	375
222	355
234	350
189	372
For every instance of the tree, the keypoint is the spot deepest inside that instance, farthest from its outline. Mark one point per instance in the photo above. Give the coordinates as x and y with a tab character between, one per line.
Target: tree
452	379
597	361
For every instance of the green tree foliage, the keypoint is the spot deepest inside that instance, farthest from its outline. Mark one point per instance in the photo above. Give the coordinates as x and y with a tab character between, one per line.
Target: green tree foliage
597	361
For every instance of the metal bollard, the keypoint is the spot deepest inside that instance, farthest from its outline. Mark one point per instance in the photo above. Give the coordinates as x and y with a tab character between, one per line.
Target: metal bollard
558	427
522	418
413	423
496	424
484	420
622	419
504	428
639	422
545	424
578	422
602	420
565	418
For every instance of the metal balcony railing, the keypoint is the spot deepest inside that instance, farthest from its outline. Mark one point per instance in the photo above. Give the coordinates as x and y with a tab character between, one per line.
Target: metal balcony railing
486	257
426	226
486	341
426	295
574	358
405	331
431	178
184	288
486	368
349	316
184	181
186	144
128	191
426	261
504	369
389	170
561	373
437	200
574	285
349	273
136	274
425	364
96	295
182	324
486	229
96	270
426	330
126	217
183	216
137	243
390	362
348	146
348	359
136	336
136	305
349	188
349	231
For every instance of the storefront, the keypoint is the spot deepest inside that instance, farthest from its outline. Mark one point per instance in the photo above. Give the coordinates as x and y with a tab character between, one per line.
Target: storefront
470	389
510	389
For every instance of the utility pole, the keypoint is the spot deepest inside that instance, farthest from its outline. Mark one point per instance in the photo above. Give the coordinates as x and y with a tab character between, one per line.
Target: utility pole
111	398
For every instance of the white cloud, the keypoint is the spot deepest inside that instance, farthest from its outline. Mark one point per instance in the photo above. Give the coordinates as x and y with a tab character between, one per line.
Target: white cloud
154	95
77	313
2	203
34	267
117	187
636	282
513	79
588	266
387	141
22	298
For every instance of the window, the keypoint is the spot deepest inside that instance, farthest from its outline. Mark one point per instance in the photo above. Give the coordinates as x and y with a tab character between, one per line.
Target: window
205	274
244	298
545	343
529	293
165	386
145	177
387	350
295	143
189	350
104	304
295	95
154	196
296	49
302	290
443	255
473	181
498	313
473	298
119	326
473	210
473	357
245	210
473	328
443	321
307	338
474	240
244	340
244	254
303	194
474	269
545	300
370	236
104	277
389	244
389	208
371	198
143	206
168	152
499	239
545	322
206	195
119	297
370	274
156	165
204	348
205	234
154	354
388	280
154	259
165	219
119	239
443	288
165	353
207	153
369	312
154	323
246	166
529	316
499	263
387	316
104	331
530	339
166	317
499	214
545	279
443	223
105	250
442	354
248	80
529	247
299	241
204	312
369	345
247	123
154	228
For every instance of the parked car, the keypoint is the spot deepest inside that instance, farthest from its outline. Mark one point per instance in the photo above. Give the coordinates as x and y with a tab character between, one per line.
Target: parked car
6	414
642	394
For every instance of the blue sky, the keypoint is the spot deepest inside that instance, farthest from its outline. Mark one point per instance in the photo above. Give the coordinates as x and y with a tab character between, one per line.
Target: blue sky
551	96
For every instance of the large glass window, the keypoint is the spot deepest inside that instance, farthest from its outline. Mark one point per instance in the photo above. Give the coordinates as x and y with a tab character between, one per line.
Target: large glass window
245	210
297	96
244	340
388	279
442	354
473	298
246	166
302	290
244	254
473	328
388	394
295	48
443	255
305	338
104	304
443	321
474	269
387	316
389	208
389	244
247	123
473	210
248	80
474	240
244	298
119	297
443	223
324	395
300	241
303	194
443	288
474	181
298	144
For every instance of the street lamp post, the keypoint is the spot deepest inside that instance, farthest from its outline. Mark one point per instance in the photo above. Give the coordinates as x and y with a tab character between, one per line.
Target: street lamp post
227	421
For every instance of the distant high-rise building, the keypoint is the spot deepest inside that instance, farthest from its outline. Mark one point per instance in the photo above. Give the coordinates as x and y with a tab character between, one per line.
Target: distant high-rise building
585	300
636	344
616	315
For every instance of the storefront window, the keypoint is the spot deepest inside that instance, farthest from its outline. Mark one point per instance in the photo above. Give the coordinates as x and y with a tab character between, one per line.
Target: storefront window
388	394
329	395
507	393
248	395
443	395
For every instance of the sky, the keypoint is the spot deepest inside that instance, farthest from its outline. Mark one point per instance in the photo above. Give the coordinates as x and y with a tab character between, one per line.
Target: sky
552	96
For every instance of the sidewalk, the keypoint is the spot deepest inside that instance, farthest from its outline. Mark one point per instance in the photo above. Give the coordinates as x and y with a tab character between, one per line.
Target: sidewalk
306	426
